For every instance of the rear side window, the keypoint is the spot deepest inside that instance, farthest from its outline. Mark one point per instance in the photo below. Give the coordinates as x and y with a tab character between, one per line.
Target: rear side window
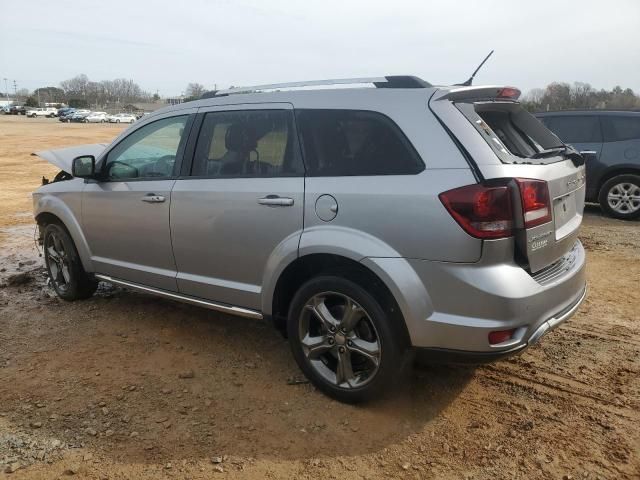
253	143
352	142
575	129
619	129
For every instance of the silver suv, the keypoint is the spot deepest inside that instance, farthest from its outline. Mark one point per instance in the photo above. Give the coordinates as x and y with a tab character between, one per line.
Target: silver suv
365	223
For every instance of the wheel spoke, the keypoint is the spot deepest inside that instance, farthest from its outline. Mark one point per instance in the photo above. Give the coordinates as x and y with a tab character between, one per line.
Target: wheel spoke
344	370
369	350
55	271
315	346
352	315
319	308
53	254
65	273
57	244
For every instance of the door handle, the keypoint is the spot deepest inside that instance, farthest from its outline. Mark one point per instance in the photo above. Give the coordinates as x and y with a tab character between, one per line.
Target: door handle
153	198
588	152
275	201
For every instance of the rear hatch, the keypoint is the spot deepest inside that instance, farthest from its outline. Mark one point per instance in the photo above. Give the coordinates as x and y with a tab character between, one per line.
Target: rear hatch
508	146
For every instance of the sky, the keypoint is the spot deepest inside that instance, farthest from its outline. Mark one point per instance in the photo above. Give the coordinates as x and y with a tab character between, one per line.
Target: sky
164	45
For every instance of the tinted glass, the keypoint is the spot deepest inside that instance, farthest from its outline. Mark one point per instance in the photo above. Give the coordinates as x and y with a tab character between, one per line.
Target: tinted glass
578	129
618	129
256	143
149	152
350	142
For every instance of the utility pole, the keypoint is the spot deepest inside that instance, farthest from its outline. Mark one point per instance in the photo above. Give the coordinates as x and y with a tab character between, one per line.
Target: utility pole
6	90
15	90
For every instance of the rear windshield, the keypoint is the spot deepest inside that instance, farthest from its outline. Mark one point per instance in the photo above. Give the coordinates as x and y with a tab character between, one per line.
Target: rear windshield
511	131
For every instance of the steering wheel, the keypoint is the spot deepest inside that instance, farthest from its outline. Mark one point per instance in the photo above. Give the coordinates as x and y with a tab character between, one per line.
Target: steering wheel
162	163
118	162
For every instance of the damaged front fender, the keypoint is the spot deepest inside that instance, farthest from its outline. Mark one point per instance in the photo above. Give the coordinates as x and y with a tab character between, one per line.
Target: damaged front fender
63	157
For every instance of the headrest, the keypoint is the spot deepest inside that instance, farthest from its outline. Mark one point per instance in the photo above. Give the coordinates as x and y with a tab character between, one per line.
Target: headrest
240	138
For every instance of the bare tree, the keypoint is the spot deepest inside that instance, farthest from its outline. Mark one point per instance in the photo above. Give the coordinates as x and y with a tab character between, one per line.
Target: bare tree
119	91
195	90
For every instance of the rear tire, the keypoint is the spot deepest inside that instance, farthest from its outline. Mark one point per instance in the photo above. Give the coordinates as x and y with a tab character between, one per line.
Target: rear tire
68	277
619	197
352	357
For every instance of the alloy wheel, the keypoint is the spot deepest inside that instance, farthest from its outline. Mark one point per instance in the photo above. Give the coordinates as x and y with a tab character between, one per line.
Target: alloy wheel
624	198
339	340
58	261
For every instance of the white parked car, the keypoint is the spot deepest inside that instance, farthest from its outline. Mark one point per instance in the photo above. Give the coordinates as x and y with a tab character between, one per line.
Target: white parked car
96	117
42	112
122	118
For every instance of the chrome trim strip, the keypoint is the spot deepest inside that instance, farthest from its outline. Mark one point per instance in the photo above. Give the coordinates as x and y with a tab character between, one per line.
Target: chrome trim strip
555	322
308	83
243	312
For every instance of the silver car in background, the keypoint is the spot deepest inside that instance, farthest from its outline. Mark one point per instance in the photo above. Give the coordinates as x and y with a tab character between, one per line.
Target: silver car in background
365	223
122	118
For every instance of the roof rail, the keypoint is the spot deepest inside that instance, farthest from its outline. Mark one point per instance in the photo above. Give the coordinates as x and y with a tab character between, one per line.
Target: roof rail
393	81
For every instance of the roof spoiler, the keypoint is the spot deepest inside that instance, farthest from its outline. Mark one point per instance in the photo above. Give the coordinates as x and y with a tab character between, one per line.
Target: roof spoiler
491	92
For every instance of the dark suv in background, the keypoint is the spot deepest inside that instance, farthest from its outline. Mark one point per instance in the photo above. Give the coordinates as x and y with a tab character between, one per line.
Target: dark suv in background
611	141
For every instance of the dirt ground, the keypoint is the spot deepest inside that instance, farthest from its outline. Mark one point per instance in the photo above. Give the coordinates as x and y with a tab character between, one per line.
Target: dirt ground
125	385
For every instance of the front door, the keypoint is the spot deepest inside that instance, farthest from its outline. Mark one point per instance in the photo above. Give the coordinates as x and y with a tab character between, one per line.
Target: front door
584	133
242	203
125	216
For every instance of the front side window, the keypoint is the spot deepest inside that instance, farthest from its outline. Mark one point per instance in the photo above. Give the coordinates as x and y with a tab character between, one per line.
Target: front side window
575	129
619	129
252	143
353	142
149	152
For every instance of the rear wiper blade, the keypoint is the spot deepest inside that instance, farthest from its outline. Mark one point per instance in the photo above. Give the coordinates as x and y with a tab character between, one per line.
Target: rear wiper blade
570	152
550	151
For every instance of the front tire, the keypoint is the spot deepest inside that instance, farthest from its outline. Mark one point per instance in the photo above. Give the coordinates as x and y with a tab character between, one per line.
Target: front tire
68	277
343	341
619	197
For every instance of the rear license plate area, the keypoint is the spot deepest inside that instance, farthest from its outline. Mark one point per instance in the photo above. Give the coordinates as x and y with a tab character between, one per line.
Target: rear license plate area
565	211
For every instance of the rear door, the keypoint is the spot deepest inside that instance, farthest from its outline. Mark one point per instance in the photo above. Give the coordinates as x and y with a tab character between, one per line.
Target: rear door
622	140
241	203
584	133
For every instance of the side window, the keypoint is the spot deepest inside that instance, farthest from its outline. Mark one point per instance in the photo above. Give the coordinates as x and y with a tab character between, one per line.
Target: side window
576	129
619	129
251	143
149	152
352	142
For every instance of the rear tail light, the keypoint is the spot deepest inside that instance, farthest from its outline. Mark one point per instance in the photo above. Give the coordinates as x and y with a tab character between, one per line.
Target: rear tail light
500	336
536	206
486	211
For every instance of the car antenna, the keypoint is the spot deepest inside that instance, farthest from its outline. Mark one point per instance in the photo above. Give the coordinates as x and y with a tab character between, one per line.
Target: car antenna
470	81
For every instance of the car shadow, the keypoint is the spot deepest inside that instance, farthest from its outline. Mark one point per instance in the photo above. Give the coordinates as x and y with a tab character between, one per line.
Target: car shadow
143	379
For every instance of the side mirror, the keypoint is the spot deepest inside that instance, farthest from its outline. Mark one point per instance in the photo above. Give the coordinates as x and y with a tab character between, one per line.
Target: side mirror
84	166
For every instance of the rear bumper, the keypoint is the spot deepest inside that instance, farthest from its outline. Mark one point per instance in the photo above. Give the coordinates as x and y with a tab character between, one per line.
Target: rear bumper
462	303
467	357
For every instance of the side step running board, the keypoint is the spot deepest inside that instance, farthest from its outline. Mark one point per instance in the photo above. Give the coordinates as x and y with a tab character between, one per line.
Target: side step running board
220	307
